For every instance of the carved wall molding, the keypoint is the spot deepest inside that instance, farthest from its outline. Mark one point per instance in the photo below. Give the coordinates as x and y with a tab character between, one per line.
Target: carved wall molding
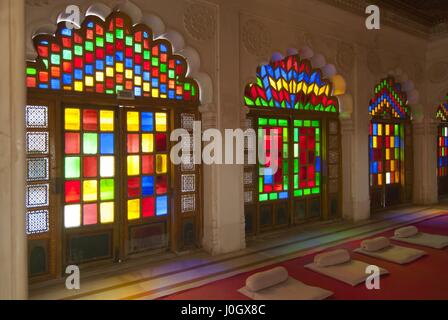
256	38
200	21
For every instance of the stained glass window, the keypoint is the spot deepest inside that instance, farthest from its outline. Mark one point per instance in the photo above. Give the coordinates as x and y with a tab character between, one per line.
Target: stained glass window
307	157
274	185
442	159
146	164
108	57
291	83
89	167
388	109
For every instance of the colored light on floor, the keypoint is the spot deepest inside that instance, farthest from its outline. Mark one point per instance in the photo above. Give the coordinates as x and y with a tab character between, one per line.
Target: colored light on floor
161	122
133	121
107	166
90	190
161	206
72	167
89	214
107	189
133	165
161	163
147	142
90	143
133	209
106	120
72	119
107	212
72	216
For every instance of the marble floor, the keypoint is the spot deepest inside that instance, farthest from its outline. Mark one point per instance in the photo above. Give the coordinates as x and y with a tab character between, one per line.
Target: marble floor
168	274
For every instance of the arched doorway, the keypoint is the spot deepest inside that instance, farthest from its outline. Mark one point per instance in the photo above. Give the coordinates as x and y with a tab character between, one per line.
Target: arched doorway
102	101
390	146
293	104
442	150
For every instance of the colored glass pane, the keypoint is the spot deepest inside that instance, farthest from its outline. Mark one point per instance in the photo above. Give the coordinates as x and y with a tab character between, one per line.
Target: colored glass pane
107	166
90	167
161	163
133	121
133	143
148	164
72	191
161	140
147	142
72	119
72	143
106	143
161	122
90	143
90	214
107	212
90	120
133	209
147	186
147	121
133	187
106	120
148	207
107	189
133	165
90	190
161	205
72	216
72	167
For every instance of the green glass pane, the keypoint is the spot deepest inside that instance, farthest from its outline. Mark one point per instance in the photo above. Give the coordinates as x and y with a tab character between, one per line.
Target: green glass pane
315	190
146	55
119	33
317	179
72	167
272	122
67	54
89	45
129	41
163	68
171	74
45	61
260	185
187	86
155	62
109	37
138	48
296	166
90	143
283	123
31	71
298	123
107	189
99	42
55	59
296	135
263	197
307	192
273	196
315	123
262	121
296	181
298	193
307	123
78	50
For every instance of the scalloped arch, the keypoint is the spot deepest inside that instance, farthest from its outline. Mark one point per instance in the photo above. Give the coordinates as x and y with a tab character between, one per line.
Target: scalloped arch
106	56
390	101
291	83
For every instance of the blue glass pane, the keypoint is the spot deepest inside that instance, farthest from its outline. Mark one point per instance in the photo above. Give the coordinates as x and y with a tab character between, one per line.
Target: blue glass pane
283	195
107	143
148	186
147	121
67	79
119	55
161	206
89	69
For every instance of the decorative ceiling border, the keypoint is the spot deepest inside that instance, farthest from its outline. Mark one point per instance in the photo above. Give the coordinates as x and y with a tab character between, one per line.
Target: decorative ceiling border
393	19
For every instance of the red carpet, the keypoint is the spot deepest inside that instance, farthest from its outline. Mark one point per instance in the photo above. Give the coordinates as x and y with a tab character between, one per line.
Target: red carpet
426	278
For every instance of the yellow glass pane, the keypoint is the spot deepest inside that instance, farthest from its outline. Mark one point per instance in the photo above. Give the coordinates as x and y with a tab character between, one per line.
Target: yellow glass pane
89	81
78	86
375	144
128	74
133	209
107	212
161	163
161	122
133	121
119	67
99	76
380	129
90	190
133	165
397	177
392	166
147	142
106	120
109	72
392	141
146	87
72	119
387	154
387	130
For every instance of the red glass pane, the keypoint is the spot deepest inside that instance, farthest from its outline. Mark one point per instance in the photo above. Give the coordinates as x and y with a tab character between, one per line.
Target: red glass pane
72	191
72	143
55	47
89	214
148	164
133	187
43	76
90	120
161	142
67	67
119	78
78	62
161	184
89	57
90	167
43	51
30	82
100	53
133	143
148	207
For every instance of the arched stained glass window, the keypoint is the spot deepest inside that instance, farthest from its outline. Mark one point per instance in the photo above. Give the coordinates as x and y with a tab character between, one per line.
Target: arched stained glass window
292	104
108	57
442	149
102	102
390	146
